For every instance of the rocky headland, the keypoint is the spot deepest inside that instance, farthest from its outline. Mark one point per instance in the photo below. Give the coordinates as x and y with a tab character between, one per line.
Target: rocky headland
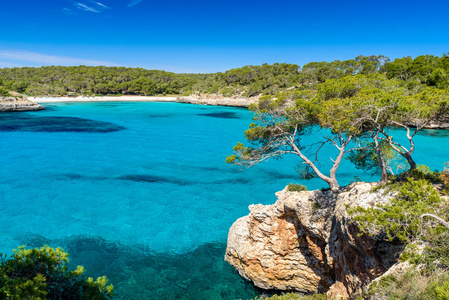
11	105
307	242
218	100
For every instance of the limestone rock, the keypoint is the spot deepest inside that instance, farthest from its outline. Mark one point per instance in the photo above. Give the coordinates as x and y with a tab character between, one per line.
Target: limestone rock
305	242
219	100
7	105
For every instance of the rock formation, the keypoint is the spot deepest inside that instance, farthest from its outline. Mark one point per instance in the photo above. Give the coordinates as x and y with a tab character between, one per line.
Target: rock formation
306	242
218	100
11	104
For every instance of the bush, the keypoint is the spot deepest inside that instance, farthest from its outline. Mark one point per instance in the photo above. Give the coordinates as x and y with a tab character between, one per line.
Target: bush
3	92
401	218
293	187
227	92
294	296
424	172
411	285
43	274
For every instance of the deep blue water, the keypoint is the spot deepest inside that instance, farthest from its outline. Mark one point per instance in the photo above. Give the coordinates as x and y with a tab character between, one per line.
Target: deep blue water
140	192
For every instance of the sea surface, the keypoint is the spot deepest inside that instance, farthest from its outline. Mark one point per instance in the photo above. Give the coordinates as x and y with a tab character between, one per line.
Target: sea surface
141	193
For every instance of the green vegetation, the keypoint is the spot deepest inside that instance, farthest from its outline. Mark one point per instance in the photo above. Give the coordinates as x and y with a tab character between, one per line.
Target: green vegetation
293	187
413	285
412	74
403	218
43	274
3	92
293	296
417	217
56	80
353	103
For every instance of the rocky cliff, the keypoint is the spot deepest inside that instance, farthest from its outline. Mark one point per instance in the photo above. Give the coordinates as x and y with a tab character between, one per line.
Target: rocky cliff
7	105
212	99
306	242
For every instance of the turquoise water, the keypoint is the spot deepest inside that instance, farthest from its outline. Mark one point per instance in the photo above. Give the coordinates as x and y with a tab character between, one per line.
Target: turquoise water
140	192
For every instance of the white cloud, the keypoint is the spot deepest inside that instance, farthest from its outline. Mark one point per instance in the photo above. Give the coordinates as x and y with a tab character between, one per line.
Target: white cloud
102	5
134	3
85	7
67	11
14	57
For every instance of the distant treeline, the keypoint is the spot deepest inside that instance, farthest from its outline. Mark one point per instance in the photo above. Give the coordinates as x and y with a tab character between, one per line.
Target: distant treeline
424	70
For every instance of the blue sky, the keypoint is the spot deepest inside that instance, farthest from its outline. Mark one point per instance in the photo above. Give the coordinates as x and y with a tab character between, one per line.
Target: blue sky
210	36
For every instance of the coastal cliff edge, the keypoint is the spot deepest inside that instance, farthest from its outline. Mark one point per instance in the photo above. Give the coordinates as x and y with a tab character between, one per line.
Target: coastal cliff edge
306	242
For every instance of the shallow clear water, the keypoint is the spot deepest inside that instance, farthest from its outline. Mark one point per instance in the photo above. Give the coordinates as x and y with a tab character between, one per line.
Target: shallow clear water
140	192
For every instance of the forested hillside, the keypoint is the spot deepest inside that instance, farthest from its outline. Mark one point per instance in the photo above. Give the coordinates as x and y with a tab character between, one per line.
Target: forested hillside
424	70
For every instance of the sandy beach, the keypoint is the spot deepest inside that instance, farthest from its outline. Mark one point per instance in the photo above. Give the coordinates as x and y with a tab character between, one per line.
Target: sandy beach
102	99
202	100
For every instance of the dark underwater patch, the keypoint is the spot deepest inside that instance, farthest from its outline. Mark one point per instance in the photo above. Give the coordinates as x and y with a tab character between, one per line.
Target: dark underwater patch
74	176
279	175
222	115
152	179
139	273
160	116
26	122
233	181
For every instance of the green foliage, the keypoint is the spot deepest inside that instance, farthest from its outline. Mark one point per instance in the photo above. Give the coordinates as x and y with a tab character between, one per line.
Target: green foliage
366	158
227	92
445	178
294	187
305	172
439	290
43	274
412	285
401	219
424	172
414	74
3	92
85	80
294	296
427	69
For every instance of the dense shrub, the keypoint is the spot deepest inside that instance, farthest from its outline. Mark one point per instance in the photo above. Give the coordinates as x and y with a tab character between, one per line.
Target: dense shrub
402	218
43	274
293	187
412	285
293	296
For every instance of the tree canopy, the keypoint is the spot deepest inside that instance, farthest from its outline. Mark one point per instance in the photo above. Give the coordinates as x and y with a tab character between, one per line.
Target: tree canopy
267	79
42	273
352	111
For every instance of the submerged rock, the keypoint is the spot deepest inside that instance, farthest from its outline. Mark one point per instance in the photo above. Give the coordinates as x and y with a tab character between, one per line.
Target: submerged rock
305	242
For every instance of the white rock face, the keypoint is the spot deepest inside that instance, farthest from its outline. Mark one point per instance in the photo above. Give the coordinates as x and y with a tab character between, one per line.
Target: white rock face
19	106
305	242
218	100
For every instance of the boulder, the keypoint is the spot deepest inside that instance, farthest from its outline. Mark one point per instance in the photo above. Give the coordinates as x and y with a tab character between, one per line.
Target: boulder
307	242
22	105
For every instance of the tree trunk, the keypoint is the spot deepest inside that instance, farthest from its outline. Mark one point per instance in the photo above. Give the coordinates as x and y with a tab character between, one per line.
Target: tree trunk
410	161
383	166
333	184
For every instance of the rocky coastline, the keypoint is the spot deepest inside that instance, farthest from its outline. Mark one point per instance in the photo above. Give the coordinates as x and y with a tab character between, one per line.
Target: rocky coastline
13	105
306	242
217	100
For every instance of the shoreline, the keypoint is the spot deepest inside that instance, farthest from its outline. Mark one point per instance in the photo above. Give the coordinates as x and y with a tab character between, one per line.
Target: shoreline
21	105
104	99
214	101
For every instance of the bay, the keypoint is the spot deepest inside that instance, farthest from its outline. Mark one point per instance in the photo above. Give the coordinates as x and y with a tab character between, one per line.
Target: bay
141	193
